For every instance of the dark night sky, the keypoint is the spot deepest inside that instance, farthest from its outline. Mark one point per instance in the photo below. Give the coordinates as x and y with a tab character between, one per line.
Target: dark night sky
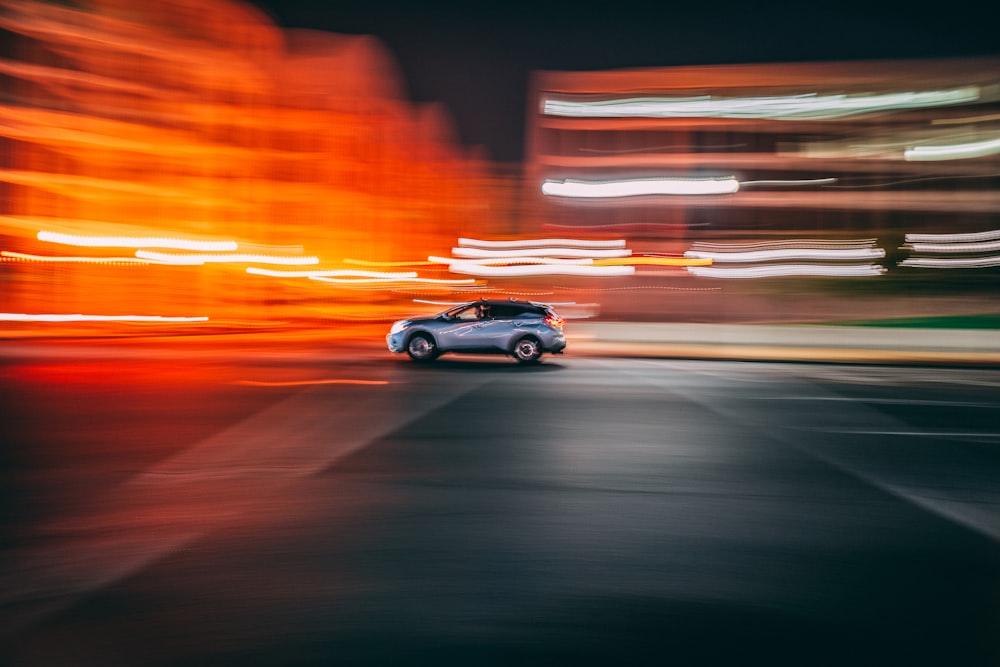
475	56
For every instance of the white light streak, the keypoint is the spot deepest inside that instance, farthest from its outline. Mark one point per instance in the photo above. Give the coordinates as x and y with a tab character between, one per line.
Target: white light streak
952	262
339	273
988	246
532	243
473	269
775	270
785	107
953	238
480	253
953	151
641	187
74	259
789	253
238	258
585	261
136	242
369	281
50	317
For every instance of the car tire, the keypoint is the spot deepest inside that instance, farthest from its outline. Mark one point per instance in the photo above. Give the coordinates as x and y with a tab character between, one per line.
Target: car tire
527	350
421	347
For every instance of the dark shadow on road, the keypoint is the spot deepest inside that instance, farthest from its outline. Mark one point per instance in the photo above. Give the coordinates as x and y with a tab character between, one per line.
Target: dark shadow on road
474	365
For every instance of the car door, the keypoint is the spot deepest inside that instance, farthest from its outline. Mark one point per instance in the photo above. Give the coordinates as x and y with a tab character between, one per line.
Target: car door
462	331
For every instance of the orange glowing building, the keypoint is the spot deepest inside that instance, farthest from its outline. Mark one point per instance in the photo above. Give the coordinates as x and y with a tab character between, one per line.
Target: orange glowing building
846	147
200	121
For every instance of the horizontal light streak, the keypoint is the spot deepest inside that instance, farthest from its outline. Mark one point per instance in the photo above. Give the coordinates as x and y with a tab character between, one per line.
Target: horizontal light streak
236	258
515	259
371	281
789	253
784	243
788	182
776	270
952	262
954	151
78	317
561	253
136	242
641	187
985	246
299	383
364	262
336	273
809	106
86	260
652	261
953	238
473	269
533	243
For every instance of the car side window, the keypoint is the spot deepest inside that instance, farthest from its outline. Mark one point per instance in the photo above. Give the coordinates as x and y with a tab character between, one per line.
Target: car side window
468	314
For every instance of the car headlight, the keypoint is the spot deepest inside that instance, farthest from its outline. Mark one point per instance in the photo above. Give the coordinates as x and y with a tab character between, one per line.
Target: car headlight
398	326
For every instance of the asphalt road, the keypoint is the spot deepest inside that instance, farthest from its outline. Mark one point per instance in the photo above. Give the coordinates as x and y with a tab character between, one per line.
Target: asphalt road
169	506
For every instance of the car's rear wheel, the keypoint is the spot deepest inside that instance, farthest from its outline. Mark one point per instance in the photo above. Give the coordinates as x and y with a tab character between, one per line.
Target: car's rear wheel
421	348
527	350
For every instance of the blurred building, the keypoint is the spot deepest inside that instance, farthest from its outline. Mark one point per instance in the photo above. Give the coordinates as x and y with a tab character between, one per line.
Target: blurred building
200	120
857	148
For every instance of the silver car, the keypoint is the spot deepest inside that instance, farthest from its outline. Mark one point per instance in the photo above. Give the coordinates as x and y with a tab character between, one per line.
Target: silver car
521	329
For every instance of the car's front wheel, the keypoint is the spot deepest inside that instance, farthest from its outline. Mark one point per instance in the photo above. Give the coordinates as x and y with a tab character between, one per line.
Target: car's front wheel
421	348
527	350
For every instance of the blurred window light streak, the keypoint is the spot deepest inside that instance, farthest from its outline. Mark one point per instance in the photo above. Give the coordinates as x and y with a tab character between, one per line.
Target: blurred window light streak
21	256
584	261
953	238
784	243
365	262
365	281
337	273
810	106
789	253
136	242
472	269
641	187
783	270
78	317
238	258
952	262
534	243
954	151
562	253
653	261
985	246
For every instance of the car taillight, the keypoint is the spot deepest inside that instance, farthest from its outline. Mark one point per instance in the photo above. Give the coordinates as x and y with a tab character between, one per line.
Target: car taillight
554	320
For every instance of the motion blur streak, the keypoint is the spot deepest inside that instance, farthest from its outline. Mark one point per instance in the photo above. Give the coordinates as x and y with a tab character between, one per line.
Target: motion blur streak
22	317
136	242
583	261
471	269
238	258
478	253
176	124
299	383
337	273
362	281
54	258
641	187
547	243
955	151
953	238
773	270
786	107
952	262
653	261
789	253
